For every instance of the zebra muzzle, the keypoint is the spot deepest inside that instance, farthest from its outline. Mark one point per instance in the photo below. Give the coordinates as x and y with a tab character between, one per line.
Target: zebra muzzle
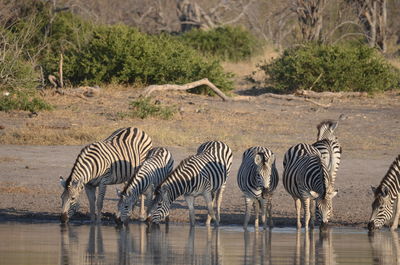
371	226
64	218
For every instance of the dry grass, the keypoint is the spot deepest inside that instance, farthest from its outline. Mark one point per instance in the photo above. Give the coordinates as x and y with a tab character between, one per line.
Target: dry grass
8	159
10	187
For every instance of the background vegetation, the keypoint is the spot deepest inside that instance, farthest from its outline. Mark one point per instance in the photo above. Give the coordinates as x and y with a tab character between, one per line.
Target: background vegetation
136	45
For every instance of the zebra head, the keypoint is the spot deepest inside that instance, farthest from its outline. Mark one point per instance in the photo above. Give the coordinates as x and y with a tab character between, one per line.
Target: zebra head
69	199
264	169
160	206
382	208
326	130
324	205
125	205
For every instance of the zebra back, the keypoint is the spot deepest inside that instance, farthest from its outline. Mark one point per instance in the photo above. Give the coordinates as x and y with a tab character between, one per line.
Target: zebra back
257	162
330	154
304	172
115	158
157	166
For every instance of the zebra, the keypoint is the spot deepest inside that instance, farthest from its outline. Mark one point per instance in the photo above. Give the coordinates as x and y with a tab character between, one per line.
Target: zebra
330	150
306	178
257	178
202	174
157	166
329	147
384	197
102	163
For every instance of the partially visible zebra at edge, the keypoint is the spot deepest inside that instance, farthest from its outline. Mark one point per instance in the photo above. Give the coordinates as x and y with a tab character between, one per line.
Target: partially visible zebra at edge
306	178
157	166
385	195
111	161
257	179
203	174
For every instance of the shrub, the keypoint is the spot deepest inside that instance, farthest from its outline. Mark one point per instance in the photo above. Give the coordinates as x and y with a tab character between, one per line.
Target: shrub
346	67
226	43
122	54
143	108
22	100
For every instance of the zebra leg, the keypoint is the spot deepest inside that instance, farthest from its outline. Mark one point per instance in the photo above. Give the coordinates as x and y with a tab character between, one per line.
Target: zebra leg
248	202
208	198
256	213
190	203
297	204
219	201
91	194
396	216
263	205
100	199
306	204
269	210
312	211
142	211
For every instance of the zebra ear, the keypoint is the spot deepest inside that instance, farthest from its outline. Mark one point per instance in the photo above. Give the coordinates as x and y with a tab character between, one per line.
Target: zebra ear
385	191
63	183
118	192
314	194
334	126
334	193
271	160
259	159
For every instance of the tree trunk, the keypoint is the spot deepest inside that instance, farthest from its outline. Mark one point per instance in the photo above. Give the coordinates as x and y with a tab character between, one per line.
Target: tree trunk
309	14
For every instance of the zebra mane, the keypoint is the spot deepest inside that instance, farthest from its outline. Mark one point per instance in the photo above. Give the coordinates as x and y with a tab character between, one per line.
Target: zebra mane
391	177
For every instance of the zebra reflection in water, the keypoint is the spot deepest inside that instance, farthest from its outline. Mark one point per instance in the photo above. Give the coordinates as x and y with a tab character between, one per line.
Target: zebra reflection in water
260	250
385	247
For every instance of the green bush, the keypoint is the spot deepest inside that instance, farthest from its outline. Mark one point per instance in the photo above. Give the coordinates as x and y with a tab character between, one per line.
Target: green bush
22	100
345	67
226	43
144	107
122	54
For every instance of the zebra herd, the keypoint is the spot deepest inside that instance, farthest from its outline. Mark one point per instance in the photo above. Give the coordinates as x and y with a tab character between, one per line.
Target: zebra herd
127	156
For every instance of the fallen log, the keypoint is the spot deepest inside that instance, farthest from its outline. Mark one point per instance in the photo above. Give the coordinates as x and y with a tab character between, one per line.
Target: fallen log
150	89
319	95
294	97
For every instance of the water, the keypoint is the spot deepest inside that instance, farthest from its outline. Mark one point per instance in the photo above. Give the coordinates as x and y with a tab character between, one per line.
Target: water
91	244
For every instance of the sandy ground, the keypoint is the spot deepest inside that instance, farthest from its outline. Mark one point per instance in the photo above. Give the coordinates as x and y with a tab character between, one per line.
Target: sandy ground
370	136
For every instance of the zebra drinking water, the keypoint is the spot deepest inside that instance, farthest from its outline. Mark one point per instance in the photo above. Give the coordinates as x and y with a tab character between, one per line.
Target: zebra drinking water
385	195
202	174
306	178
258	178
111	161
157	166
330	151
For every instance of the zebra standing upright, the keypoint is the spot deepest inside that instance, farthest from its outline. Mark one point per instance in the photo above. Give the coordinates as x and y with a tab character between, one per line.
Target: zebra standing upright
306	178
202	174
102	163
385	195
258	178
157	166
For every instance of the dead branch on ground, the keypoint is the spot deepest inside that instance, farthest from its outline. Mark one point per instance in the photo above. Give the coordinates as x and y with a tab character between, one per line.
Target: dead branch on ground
150	89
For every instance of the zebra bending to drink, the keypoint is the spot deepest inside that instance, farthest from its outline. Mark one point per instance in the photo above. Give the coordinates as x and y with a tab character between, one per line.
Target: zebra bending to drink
157	166
111	161
202	174
306	178
385	195
258	178
330	151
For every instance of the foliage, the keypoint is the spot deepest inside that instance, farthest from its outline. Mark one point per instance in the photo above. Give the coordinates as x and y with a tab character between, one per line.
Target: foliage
226	43
144	107
122	54
345	67
22	100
